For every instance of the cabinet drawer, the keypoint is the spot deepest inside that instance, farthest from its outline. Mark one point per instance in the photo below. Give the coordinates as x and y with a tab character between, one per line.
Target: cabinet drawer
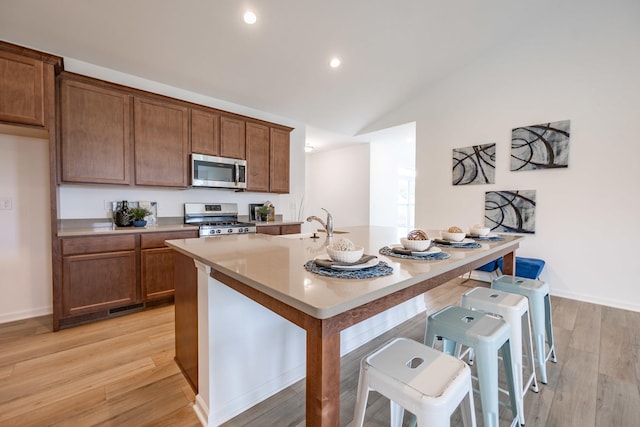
85	245
156	240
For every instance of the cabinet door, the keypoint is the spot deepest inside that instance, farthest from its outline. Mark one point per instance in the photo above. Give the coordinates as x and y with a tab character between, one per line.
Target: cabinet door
161	143
96	282
205	132
257	150
232	143
279	167
157	273
95	134
21	89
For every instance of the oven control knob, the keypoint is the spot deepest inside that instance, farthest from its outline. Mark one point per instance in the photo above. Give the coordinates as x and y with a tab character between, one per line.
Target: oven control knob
229	230
217	231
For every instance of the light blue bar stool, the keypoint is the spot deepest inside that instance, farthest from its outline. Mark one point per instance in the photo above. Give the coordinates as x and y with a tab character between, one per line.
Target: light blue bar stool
513	309
539	298
486	334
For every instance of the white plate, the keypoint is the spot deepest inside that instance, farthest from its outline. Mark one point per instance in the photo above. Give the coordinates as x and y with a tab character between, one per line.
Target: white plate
432	250
488	235
461	241
371	263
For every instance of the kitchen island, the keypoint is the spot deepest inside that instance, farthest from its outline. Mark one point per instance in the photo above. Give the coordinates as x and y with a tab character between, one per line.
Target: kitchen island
243	280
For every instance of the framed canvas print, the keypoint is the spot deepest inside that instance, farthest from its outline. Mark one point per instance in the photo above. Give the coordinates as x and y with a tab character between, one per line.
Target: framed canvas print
474	165
511	211
544	146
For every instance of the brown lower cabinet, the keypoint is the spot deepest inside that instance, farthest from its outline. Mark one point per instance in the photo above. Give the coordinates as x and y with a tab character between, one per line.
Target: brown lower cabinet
186	309
107	275
277	230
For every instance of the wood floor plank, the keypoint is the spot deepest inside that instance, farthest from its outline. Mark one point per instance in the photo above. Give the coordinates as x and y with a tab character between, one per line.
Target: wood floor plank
586	332
616	355
577	390
618	402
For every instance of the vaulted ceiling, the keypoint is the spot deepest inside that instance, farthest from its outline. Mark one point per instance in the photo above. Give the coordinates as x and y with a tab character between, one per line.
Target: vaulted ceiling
390	50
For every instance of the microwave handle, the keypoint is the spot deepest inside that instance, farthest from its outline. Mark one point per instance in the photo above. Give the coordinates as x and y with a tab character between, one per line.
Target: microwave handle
236	168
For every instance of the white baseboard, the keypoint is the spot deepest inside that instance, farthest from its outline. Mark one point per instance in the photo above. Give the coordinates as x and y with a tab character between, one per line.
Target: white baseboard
25	314
624	305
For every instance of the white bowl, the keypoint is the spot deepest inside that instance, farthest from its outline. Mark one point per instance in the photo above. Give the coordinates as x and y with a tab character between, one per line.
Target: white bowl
453	237
480	231
345	256
415	245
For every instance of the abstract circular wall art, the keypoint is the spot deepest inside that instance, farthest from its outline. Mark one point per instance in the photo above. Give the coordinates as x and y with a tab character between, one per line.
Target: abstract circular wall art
474	165
544	146
510	211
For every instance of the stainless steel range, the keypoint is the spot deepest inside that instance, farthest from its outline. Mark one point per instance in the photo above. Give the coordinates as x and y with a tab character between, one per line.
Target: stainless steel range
216	219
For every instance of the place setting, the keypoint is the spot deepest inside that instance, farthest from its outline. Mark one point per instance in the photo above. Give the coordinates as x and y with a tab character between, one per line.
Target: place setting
345	260
416	245
480	233
454	237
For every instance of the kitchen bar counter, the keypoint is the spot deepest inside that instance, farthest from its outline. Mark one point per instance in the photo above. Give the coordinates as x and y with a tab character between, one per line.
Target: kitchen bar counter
269	270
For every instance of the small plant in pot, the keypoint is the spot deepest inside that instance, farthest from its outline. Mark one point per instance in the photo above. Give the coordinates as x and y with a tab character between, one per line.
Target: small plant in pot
263	212
137	215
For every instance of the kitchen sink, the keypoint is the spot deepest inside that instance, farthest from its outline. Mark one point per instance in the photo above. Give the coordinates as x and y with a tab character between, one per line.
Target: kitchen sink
320	233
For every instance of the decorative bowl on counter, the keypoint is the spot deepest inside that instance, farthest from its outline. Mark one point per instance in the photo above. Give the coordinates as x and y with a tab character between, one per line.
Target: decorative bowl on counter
478	230
415	245
453	237
345	255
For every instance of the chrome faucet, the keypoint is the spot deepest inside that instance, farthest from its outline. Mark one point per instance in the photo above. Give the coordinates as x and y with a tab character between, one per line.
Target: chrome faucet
328	225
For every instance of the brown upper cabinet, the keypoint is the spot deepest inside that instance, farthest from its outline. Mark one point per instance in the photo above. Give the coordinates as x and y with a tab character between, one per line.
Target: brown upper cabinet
26	84
257	149
232	137
95	133
161	143
205	132
279	161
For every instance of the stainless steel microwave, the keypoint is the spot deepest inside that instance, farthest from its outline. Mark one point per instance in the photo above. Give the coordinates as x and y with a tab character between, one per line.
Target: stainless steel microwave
218	172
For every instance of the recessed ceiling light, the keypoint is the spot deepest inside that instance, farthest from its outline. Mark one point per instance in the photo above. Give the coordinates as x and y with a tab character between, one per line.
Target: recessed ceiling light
335	62
250	17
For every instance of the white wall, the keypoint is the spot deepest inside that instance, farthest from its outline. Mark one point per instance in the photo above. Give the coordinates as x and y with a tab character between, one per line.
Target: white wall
25	230
579	64
387	158
338	180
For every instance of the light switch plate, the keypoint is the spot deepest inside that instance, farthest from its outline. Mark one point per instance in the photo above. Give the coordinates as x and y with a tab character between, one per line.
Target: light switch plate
6	203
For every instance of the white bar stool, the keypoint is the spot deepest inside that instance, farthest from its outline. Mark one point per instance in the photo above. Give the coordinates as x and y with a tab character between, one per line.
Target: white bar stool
424	381
513	309
539	297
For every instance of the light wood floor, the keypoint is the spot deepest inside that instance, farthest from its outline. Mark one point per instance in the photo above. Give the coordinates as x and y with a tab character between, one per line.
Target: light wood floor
120	372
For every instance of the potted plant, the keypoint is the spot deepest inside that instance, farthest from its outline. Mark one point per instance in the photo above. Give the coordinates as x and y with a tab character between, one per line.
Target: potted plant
263	212
137	215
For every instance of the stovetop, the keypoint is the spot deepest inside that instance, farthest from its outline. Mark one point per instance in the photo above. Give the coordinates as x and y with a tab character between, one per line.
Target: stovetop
216	219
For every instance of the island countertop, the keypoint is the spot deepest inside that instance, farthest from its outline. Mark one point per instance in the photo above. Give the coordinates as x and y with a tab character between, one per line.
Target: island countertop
274	265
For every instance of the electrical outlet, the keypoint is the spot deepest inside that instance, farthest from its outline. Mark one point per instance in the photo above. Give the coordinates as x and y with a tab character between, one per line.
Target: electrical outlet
107	205
6	203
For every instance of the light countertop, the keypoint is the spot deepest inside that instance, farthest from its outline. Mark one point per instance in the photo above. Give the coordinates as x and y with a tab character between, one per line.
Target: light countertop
89	227
274	265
